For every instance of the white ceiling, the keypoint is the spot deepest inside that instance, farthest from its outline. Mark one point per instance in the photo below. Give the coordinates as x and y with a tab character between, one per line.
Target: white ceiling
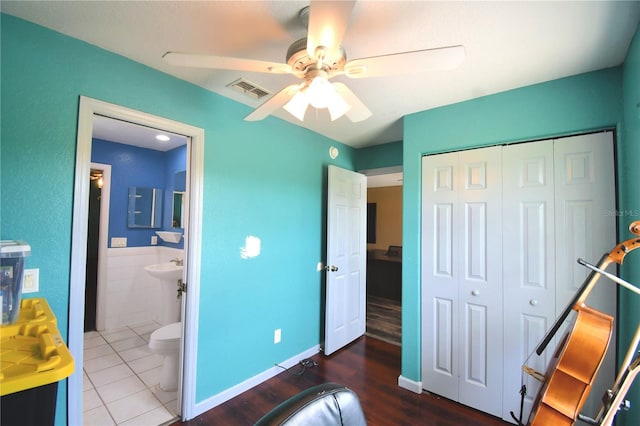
119	131
508	45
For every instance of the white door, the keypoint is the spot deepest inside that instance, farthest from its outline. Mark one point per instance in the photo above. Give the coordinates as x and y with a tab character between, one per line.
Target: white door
461	280
440	301
480	212
345	303
586	228
528	267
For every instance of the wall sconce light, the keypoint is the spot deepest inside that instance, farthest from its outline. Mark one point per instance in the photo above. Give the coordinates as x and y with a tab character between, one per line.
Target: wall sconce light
98	178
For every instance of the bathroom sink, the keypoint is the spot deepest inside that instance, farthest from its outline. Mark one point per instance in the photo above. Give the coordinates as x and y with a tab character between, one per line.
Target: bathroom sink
165	271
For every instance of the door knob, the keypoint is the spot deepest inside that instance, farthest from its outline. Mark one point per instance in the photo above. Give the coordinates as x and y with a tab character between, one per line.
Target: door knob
475	292
331	268
533	302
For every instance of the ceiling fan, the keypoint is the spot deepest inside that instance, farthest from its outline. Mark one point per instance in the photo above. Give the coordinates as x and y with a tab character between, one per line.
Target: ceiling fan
319	57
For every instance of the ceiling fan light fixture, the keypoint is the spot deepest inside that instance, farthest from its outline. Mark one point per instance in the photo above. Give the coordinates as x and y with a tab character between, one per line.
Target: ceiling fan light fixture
323	94
337	106
320	92
297	105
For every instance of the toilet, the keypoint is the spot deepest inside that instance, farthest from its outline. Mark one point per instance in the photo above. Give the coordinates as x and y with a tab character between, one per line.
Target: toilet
165	341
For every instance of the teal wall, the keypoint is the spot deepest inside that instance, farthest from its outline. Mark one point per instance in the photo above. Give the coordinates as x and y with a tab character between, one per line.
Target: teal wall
265	179
379	156
629	182
566	106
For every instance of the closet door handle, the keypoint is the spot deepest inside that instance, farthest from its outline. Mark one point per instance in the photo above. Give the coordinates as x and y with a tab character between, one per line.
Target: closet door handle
475	292
533	302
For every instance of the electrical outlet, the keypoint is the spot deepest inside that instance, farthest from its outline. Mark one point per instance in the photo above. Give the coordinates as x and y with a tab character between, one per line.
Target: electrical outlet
30	282
277	335
118	242
154	240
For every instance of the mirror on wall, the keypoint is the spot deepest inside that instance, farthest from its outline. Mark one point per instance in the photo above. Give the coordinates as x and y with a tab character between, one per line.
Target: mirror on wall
178	209
144	207
179	189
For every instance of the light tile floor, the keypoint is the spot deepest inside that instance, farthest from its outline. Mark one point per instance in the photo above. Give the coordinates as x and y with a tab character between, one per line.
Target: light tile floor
121	378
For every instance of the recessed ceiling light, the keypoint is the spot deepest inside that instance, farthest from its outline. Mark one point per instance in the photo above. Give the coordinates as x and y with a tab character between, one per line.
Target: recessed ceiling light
163	138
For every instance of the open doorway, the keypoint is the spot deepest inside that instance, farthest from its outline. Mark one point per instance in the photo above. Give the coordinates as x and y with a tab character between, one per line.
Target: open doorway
192	211
384	254
124	305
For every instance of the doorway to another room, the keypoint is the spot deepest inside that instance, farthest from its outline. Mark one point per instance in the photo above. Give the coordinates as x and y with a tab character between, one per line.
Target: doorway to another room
384	254
115	362
124	304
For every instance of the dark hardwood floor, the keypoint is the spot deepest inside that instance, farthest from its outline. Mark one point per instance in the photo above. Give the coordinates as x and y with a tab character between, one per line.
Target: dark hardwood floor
370	367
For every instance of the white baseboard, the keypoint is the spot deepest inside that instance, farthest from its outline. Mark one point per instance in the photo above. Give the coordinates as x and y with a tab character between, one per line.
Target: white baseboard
409	384
251	382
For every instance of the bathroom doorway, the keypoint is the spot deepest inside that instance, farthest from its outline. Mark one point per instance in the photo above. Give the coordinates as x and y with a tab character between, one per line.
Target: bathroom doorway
155	170
192	198
123	304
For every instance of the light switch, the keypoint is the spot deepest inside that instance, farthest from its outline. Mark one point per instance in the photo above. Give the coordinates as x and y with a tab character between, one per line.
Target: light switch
30	282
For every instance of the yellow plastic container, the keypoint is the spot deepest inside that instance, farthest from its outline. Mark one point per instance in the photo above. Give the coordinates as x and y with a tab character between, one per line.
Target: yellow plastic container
32	352
34	310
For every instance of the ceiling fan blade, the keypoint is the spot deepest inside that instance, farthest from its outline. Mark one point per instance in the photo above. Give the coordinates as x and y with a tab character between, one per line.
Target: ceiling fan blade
225	63
273	103
443	58
358	111
328	21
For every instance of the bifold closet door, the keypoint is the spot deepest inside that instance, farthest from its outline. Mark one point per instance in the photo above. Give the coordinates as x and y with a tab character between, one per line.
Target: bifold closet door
462	277
529	265
586	228
558	206
502	228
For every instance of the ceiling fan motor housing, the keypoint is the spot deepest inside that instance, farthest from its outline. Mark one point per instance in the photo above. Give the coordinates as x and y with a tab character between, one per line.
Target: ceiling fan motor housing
300	60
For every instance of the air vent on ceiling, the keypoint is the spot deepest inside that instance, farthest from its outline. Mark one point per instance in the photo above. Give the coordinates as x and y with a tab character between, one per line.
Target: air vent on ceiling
248	88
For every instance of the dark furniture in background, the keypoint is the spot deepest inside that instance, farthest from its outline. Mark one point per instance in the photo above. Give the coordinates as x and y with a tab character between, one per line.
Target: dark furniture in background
384	273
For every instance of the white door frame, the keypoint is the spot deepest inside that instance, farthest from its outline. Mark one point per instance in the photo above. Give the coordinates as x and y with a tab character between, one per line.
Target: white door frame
89	107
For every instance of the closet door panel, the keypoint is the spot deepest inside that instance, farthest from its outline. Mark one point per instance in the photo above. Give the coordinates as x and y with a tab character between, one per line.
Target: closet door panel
480	279
586	228
528	265
440	301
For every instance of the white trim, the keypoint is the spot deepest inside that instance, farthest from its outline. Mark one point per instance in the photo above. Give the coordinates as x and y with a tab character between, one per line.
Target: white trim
89	107
193	248
381	171
78	261
409	384
251	382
